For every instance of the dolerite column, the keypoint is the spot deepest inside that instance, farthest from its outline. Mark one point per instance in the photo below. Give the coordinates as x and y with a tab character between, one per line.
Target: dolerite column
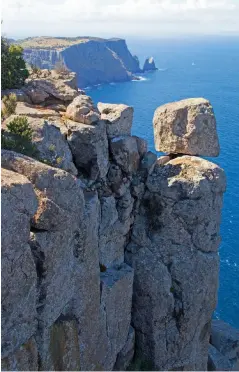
175	240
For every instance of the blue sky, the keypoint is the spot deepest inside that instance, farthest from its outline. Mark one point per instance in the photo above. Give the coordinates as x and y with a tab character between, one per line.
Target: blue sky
123	18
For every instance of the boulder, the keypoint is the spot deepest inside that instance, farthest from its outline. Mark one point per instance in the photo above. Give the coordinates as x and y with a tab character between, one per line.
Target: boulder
118	118
226	340
149	64
217	361
89	147
82	110
126	355
125	153
51	144
186	127
51	84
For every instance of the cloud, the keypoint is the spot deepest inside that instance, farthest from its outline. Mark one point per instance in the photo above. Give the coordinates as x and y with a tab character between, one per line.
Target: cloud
152	18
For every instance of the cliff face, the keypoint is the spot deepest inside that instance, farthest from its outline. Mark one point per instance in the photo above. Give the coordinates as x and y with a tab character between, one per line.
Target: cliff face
95	61
109	252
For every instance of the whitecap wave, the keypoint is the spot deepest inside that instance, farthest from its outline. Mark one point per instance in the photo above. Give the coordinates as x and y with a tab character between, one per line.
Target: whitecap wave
140	78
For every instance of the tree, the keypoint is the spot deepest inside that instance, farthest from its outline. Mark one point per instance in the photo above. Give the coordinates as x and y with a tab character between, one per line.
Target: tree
14	71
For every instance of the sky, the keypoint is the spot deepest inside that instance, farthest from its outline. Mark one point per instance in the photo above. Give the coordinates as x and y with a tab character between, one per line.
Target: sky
120	18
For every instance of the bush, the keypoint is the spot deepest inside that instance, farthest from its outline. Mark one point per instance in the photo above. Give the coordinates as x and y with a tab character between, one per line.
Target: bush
19	137
9	105
14	71
61	68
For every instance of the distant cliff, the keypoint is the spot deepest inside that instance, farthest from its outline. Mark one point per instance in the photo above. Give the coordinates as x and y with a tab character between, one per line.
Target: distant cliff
95	60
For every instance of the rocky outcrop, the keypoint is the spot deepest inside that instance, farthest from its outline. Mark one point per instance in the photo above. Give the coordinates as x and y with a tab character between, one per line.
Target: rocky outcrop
95	60
149	65
109	257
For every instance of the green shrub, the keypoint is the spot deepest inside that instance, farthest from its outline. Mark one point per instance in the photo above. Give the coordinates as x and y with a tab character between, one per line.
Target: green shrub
20	126
9	105
14	71
19	137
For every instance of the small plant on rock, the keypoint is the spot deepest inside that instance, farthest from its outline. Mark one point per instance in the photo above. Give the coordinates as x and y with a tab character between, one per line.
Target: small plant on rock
18	137
20	126
9	105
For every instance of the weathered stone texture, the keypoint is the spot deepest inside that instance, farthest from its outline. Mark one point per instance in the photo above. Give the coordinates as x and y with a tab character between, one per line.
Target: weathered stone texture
118	118
186	127
23	359
226	340
19	277
125	153
174	257
126	355
116	302
82	110
89	146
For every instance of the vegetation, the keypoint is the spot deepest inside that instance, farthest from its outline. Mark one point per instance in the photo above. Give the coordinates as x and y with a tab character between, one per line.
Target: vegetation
9	105
18	137
14	71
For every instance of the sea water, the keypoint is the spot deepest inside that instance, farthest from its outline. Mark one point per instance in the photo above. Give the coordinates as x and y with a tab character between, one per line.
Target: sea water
207	68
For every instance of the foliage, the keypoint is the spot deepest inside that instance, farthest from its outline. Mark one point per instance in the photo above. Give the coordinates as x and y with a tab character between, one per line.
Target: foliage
61	68
20	126
14	71
9	105
19	137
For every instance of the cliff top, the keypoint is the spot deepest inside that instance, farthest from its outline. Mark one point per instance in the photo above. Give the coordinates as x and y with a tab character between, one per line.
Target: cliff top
48	42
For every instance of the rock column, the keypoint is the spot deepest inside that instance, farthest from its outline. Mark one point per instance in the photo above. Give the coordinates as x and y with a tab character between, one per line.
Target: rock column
175	240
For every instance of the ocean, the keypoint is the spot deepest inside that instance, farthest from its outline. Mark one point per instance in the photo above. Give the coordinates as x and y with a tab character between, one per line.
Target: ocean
209	68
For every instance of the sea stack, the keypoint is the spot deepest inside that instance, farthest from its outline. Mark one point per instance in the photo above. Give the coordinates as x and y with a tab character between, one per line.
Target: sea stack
149	65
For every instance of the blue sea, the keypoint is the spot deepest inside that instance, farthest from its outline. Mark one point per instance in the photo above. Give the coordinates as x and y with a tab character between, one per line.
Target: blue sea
207	68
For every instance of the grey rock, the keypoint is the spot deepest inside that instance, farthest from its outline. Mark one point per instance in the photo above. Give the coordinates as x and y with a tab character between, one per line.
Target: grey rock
116	301
125	153
142	146
23	359
64	345
48	84
25	109
186	127
226	340
147	163
175	260
82	110
50	143
19	277
89	146
217	361
126	355
125	206
118	118
60	187
21	96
